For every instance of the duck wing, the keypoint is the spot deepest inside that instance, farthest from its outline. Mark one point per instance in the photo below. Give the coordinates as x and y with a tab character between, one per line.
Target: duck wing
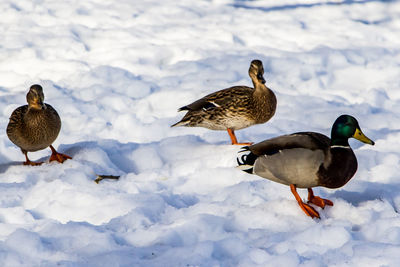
307	140
16	121
288	159
217	99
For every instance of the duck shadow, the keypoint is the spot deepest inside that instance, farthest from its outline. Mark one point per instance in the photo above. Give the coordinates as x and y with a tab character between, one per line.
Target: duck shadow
118	153
5	166
373	191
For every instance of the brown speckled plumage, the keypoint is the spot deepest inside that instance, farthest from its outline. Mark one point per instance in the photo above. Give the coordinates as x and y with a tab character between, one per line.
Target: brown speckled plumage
32	129
34	126
233	108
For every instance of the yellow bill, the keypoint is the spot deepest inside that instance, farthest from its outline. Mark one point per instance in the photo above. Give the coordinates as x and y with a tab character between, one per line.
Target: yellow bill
361	137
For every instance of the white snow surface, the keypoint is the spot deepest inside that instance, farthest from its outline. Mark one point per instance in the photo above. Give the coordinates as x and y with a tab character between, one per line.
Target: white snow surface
117	71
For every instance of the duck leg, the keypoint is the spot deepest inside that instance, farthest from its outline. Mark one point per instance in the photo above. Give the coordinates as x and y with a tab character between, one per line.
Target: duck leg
234	140
320	202
58	156
28	162
310	211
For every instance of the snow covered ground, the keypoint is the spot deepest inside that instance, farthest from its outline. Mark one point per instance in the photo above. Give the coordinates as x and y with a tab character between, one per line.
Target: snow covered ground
117	71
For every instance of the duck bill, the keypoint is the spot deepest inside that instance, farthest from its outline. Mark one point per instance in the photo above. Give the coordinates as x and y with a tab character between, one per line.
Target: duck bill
359	135
260	77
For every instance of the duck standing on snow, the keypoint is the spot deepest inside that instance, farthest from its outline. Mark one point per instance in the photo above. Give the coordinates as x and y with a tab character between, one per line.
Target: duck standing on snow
307	159
233	108
35	126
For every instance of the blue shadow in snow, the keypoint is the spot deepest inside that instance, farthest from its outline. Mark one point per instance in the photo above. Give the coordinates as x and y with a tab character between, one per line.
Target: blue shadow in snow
117	152
374	191
238	4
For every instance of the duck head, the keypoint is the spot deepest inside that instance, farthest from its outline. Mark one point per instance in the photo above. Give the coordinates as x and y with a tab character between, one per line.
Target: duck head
35	97
256	71
345	127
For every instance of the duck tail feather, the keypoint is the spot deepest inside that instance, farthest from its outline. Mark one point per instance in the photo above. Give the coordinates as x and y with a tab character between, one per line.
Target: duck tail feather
246	160
183	108
183	122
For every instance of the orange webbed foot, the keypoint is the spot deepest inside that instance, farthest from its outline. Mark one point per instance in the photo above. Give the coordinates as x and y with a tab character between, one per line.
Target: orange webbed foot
59	157
32	163
318	201
55	156
310	211
28	162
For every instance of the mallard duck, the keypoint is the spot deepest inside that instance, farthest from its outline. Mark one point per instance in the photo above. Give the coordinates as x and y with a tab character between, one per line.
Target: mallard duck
233	108
306	160
35	126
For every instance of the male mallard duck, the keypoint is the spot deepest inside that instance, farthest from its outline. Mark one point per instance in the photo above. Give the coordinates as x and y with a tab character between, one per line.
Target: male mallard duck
233	108
307	159
35	126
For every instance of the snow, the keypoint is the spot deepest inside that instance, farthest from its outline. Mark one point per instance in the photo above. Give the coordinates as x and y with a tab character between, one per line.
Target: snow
117	71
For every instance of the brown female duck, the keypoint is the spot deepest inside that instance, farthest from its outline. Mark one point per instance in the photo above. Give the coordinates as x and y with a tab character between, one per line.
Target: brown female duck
233	108
307	160
35	126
